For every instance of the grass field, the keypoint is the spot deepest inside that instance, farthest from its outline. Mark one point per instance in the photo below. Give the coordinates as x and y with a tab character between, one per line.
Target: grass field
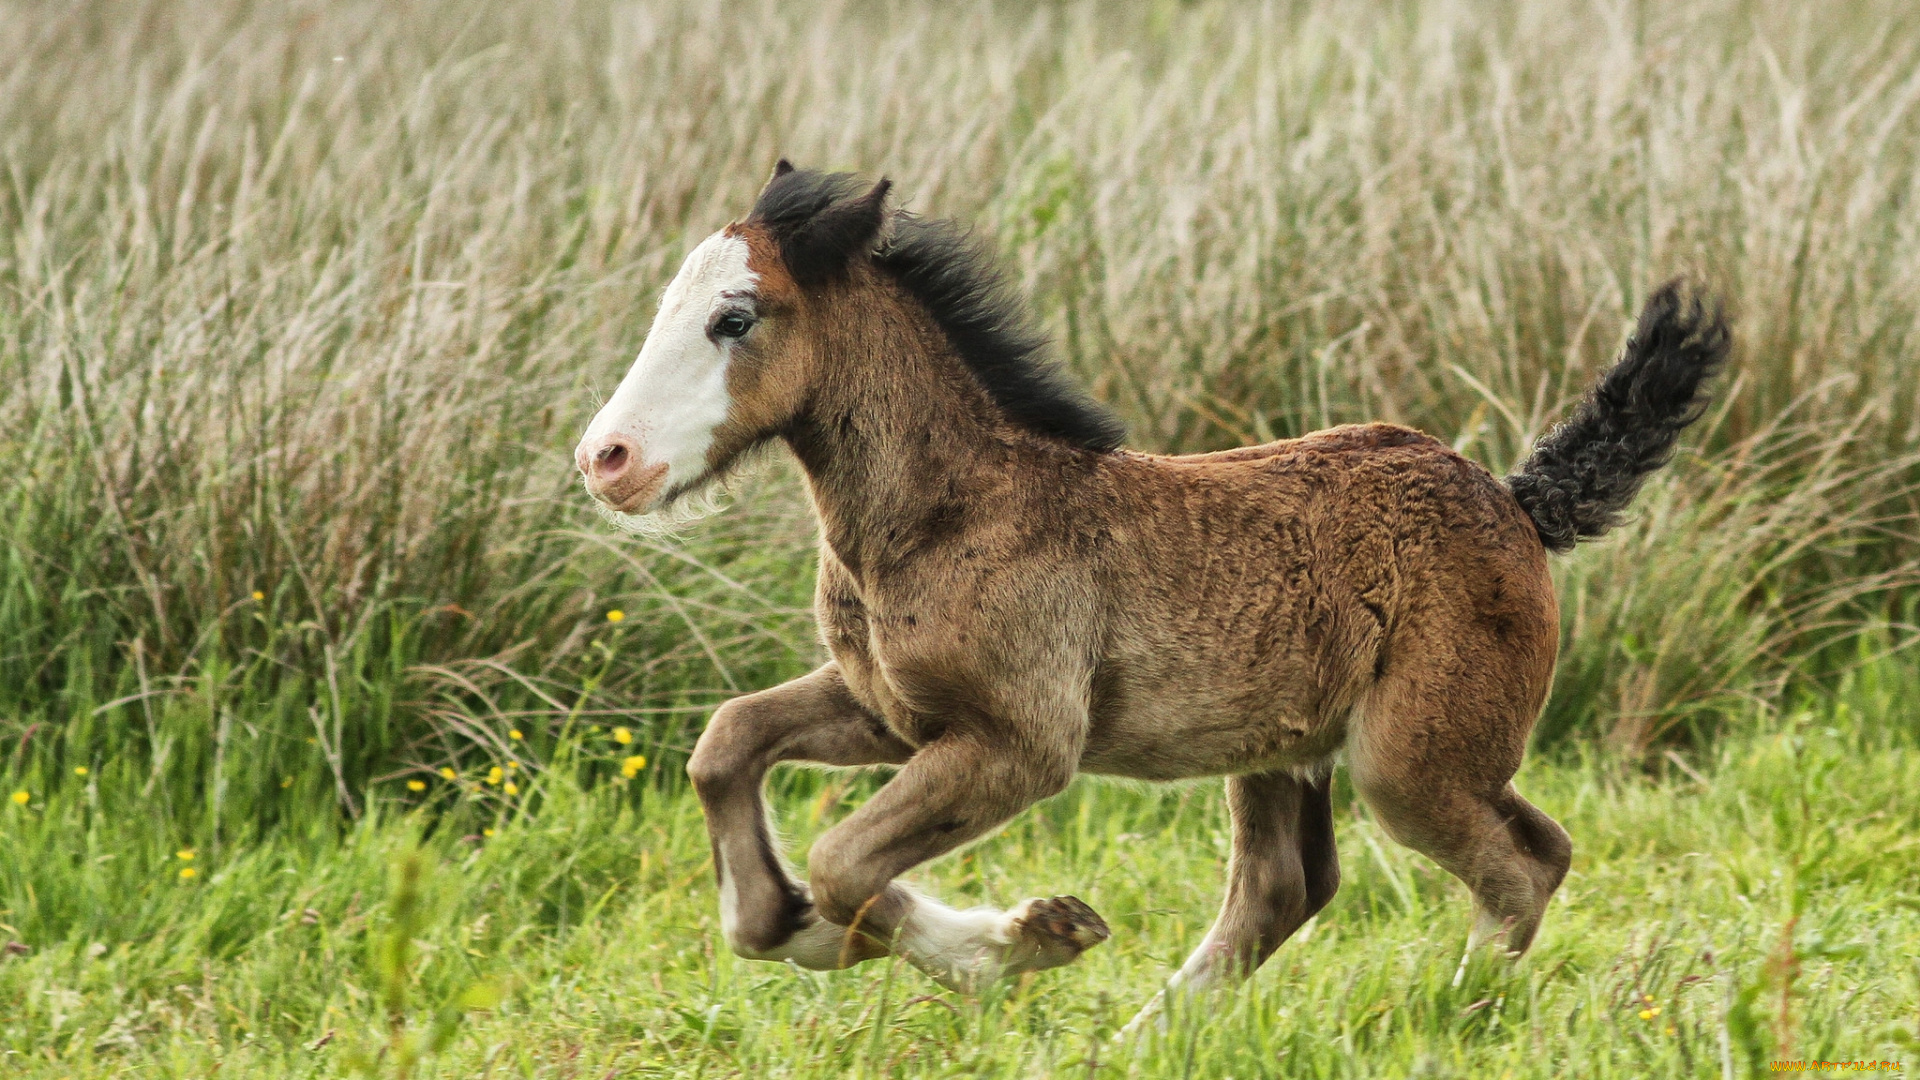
1763	909
303	304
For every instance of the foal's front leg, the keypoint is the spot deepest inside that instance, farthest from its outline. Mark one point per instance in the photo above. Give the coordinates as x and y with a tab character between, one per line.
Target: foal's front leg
956	789
764	913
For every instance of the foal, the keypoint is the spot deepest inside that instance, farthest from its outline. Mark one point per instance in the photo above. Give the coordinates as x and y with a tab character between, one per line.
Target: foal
1010	598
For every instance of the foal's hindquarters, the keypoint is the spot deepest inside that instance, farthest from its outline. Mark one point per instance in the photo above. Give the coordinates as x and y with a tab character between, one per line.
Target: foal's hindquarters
1394	610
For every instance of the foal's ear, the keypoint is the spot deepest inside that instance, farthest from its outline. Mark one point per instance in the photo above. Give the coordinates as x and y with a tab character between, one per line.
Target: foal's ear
819	248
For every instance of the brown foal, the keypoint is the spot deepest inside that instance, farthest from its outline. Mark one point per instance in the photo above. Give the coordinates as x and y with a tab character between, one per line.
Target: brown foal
1009	598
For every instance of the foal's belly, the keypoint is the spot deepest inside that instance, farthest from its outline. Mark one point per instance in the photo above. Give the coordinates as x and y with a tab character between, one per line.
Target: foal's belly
1206	735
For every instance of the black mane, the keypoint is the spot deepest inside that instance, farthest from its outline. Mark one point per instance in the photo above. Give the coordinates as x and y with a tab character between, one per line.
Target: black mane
955	278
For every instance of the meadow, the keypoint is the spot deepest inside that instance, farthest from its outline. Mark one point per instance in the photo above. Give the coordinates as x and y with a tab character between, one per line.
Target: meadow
338	733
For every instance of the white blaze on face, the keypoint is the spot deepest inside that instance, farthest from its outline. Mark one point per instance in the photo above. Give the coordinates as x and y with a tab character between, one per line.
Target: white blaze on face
665	411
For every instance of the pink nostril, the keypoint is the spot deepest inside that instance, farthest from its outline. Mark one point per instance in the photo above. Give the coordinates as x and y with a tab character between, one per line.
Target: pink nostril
610	461
616	473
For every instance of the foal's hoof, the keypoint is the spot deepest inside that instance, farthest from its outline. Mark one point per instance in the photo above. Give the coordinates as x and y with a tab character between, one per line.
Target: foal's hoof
1054	932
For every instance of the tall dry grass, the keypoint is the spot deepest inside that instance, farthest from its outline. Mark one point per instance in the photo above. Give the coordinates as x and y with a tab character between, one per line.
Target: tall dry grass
310	300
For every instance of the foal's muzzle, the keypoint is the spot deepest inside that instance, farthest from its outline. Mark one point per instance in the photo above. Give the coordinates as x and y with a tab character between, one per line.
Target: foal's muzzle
616	475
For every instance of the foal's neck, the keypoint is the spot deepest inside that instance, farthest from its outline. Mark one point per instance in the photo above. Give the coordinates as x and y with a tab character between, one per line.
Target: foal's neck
899	441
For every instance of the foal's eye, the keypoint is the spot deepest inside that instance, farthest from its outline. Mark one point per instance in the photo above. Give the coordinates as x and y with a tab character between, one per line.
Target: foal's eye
733	324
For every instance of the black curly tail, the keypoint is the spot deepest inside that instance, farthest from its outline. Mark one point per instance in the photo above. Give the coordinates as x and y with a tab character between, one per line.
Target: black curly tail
1582	475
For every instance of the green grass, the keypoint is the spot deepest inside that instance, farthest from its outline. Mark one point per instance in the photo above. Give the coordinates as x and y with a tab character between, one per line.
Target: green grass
1766	899
303	305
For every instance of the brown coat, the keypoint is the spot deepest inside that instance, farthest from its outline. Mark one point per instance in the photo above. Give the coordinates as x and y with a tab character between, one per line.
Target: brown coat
1009	598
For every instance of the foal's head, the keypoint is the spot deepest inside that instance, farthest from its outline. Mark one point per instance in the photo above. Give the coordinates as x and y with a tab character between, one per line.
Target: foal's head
744	329
727	362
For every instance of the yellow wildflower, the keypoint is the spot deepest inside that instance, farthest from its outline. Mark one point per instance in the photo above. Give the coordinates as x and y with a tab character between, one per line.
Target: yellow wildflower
80	770
515	735
287	782
258	595
184	854
494	776
512	788
188	872
486	832
622	736
20	798
616	615
512	765
448	774
416	785
632	766
1646	1014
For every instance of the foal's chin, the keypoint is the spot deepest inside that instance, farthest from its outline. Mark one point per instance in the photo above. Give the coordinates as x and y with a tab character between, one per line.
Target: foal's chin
673	515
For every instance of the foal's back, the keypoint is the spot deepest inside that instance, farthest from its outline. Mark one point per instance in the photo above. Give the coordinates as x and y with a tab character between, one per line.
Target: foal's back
1260	601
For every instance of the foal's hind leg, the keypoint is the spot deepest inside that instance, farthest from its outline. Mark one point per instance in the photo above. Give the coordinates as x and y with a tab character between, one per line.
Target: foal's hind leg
764	913
957	788
1282	870
1435	763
